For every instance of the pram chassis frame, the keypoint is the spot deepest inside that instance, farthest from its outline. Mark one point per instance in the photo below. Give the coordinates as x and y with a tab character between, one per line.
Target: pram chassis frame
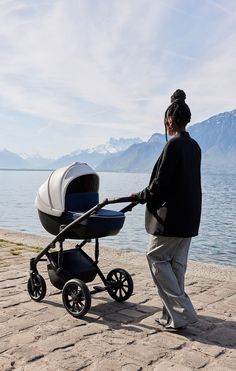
61	236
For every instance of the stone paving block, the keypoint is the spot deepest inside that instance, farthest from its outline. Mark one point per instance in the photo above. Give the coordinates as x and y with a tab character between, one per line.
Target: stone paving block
3	317
150	322
204	298
131	332
94	350
22	339
131	367
5	284
226	337
104	308
4	330
138	298
23	353
12	291
140	330
67	338
231	300
4	346
209	349
32	306
115	340
231	353
223	364
170	366
222	292
57	361
133	313
222	309
147	309
143	353
56	327
6	364
165	340
118	318
105	365
213	316
14	301
231	284
190	358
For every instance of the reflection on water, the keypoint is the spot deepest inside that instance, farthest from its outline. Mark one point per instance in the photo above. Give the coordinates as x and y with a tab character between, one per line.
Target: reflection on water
216	242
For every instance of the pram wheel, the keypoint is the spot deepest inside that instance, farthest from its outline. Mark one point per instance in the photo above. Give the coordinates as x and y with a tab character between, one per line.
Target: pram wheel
122	284
36	287
76	298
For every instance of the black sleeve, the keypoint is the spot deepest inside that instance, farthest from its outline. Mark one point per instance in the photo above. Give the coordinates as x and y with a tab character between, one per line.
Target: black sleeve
158	188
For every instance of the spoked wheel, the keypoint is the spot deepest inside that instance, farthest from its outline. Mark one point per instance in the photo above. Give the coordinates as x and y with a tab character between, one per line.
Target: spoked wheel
36	287
76	298
122	284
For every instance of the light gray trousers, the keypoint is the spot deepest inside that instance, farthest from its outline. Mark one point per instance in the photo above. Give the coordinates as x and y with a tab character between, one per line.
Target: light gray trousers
167	258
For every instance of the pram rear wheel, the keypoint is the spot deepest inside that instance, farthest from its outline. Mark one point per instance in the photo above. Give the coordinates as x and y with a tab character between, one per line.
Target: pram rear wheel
36	287
76	298
122	284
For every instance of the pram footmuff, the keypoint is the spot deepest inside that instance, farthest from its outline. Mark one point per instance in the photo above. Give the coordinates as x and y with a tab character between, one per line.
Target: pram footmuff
68	207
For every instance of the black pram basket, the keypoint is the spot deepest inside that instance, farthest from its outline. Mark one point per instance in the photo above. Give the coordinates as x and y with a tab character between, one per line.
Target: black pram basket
74	264
66	195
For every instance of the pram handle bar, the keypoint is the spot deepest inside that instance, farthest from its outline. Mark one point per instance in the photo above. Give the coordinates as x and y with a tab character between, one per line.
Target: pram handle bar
123	199
118	200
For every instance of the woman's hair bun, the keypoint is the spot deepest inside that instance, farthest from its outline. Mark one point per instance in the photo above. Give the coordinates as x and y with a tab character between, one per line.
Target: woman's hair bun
178	96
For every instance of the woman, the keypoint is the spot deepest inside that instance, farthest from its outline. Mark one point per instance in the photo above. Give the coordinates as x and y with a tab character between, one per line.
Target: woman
173	210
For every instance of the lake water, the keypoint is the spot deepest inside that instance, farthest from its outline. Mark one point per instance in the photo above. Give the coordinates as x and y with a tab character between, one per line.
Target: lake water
216	242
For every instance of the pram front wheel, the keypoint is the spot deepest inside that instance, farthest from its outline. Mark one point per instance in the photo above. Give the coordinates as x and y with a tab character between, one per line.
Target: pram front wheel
122	284
36	287
76	298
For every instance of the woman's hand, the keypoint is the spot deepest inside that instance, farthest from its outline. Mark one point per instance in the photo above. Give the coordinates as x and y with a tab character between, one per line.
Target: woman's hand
134	197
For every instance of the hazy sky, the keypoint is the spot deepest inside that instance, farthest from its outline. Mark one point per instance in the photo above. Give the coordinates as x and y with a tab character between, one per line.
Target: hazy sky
74	73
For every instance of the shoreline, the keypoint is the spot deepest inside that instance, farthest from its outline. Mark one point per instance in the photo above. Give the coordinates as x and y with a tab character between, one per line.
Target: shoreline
198	268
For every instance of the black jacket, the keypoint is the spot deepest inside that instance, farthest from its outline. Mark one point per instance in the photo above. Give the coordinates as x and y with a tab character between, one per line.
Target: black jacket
174	193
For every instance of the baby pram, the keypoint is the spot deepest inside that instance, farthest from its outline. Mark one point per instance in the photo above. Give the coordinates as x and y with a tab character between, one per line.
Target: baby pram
68	207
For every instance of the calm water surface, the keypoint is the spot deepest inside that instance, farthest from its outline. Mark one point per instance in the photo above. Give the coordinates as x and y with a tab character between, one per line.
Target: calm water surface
216	242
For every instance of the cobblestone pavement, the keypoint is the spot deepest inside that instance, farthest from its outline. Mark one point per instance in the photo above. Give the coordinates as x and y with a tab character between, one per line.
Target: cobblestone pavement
112	336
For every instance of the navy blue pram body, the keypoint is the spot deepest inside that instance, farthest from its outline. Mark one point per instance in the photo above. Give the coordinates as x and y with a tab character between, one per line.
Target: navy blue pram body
78	195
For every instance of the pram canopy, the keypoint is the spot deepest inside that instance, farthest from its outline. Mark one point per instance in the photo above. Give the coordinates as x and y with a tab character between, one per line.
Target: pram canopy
51	196
69	193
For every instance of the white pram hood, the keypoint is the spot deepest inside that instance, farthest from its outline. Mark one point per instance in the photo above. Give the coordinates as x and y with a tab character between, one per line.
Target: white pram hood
50	198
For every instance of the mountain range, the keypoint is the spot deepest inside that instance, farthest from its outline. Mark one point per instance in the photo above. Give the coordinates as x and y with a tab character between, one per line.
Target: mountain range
216	136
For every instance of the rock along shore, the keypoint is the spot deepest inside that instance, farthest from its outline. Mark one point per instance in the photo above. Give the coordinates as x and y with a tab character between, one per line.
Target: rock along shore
112	336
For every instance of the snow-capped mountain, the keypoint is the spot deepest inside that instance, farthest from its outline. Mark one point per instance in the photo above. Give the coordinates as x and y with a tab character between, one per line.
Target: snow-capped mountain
94	156
115	145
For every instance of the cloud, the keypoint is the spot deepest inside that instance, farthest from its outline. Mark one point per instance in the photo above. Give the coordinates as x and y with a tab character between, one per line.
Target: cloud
228	7
112	66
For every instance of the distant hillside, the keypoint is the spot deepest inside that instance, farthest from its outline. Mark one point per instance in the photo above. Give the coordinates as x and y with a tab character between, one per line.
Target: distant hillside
10	160
217	138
